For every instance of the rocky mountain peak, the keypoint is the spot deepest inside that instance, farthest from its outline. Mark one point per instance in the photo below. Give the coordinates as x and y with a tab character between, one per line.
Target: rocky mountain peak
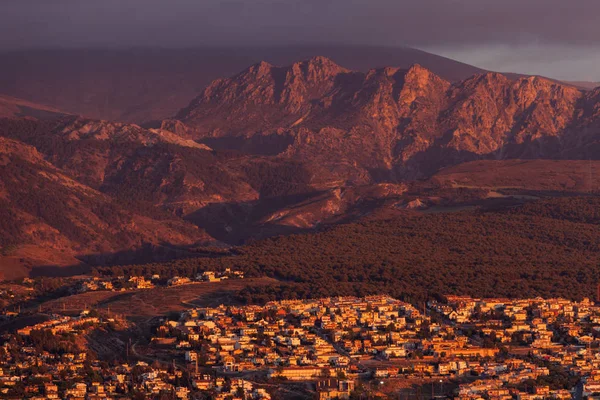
80	128
486	82
421	83
259	70
316	69
421	74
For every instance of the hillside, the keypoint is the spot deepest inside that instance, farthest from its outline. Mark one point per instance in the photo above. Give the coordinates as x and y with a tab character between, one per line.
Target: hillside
47	218
232	195
548	248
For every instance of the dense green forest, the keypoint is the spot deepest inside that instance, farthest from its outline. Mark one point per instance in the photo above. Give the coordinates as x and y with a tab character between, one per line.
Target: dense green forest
546	248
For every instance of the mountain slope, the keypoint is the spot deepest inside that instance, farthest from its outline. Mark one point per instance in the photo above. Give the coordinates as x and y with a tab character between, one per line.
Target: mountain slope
154	166
233	196
46	212
389	123
584	85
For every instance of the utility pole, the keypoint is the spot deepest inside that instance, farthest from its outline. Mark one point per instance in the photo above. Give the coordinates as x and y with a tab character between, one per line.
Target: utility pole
591	176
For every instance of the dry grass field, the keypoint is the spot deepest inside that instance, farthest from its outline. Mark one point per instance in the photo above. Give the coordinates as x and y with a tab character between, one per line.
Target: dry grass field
575	176
155	302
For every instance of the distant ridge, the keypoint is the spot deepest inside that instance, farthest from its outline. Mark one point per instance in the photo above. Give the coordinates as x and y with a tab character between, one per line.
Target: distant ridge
584	85
14	107
141	85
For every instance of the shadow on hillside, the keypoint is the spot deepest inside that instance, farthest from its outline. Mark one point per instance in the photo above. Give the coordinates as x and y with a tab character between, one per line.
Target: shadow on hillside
235	223
426	163
269	145
114	299
148	253
25	111
60	271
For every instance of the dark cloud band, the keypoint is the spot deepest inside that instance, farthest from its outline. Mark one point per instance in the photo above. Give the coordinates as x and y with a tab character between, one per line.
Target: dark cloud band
446	24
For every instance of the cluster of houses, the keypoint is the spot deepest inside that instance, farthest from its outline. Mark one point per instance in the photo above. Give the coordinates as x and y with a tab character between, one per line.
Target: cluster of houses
207	276
28	370
525	349
68	377
122	283
219	388
501	341
58	324
494	389
556	332
296	340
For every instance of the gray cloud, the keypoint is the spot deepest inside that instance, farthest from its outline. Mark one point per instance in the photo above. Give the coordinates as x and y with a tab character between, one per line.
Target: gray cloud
188	22
454	27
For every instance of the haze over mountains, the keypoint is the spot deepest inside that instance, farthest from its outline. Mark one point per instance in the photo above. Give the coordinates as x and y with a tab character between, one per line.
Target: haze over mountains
13	107
270	150
149	84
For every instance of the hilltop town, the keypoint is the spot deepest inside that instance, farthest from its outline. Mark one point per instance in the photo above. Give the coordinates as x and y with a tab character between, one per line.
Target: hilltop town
344	347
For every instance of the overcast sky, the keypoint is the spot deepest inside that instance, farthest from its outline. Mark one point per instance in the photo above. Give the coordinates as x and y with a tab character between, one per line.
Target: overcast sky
557	38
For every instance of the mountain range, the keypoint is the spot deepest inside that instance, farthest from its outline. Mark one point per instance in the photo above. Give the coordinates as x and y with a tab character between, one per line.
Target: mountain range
282	149
391	123
143	84
139	85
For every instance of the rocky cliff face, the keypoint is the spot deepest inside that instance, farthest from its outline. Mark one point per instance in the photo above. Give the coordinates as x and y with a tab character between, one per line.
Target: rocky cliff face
583	141
390	123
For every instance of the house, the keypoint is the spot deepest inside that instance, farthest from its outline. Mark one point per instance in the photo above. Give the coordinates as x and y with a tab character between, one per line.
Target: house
297	373
334	389
176	280
181	392
139	282
394	351
51	391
